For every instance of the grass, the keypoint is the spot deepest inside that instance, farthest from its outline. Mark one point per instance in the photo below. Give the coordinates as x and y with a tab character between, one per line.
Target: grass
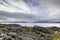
55	36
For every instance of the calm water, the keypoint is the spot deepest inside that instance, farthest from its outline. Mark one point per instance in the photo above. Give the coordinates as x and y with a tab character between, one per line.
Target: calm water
39	24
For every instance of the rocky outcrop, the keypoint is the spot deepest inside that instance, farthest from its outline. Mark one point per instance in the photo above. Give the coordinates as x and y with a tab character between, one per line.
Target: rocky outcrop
13	34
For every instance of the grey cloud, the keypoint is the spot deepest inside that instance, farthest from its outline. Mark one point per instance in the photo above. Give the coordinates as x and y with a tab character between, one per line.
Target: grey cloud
55	3
5	15
8	4
32	3
16	15
42	10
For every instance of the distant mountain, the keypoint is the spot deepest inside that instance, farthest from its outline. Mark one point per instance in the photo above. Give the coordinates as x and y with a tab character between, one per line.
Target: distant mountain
41	22
45	22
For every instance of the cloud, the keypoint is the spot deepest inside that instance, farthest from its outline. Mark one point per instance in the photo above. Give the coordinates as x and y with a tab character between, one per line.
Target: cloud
14	6
29	10
53	8
47	10
32	2
16	16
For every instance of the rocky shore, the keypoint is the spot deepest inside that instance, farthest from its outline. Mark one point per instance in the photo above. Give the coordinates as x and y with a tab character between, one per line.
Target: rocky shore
16	33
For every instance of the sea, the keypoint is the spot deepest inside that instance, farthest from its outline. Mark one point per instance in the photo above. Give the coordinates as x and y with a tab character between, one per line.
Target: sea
38	24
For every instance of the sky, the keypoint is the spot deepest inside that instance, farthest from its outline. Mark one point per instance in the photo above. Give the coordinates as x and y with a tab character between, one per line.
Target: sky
29	11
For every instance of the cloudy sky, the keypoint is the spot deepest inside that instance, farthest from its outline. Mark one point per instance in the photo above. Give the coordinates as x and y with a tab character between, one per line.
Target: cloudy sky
22	11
